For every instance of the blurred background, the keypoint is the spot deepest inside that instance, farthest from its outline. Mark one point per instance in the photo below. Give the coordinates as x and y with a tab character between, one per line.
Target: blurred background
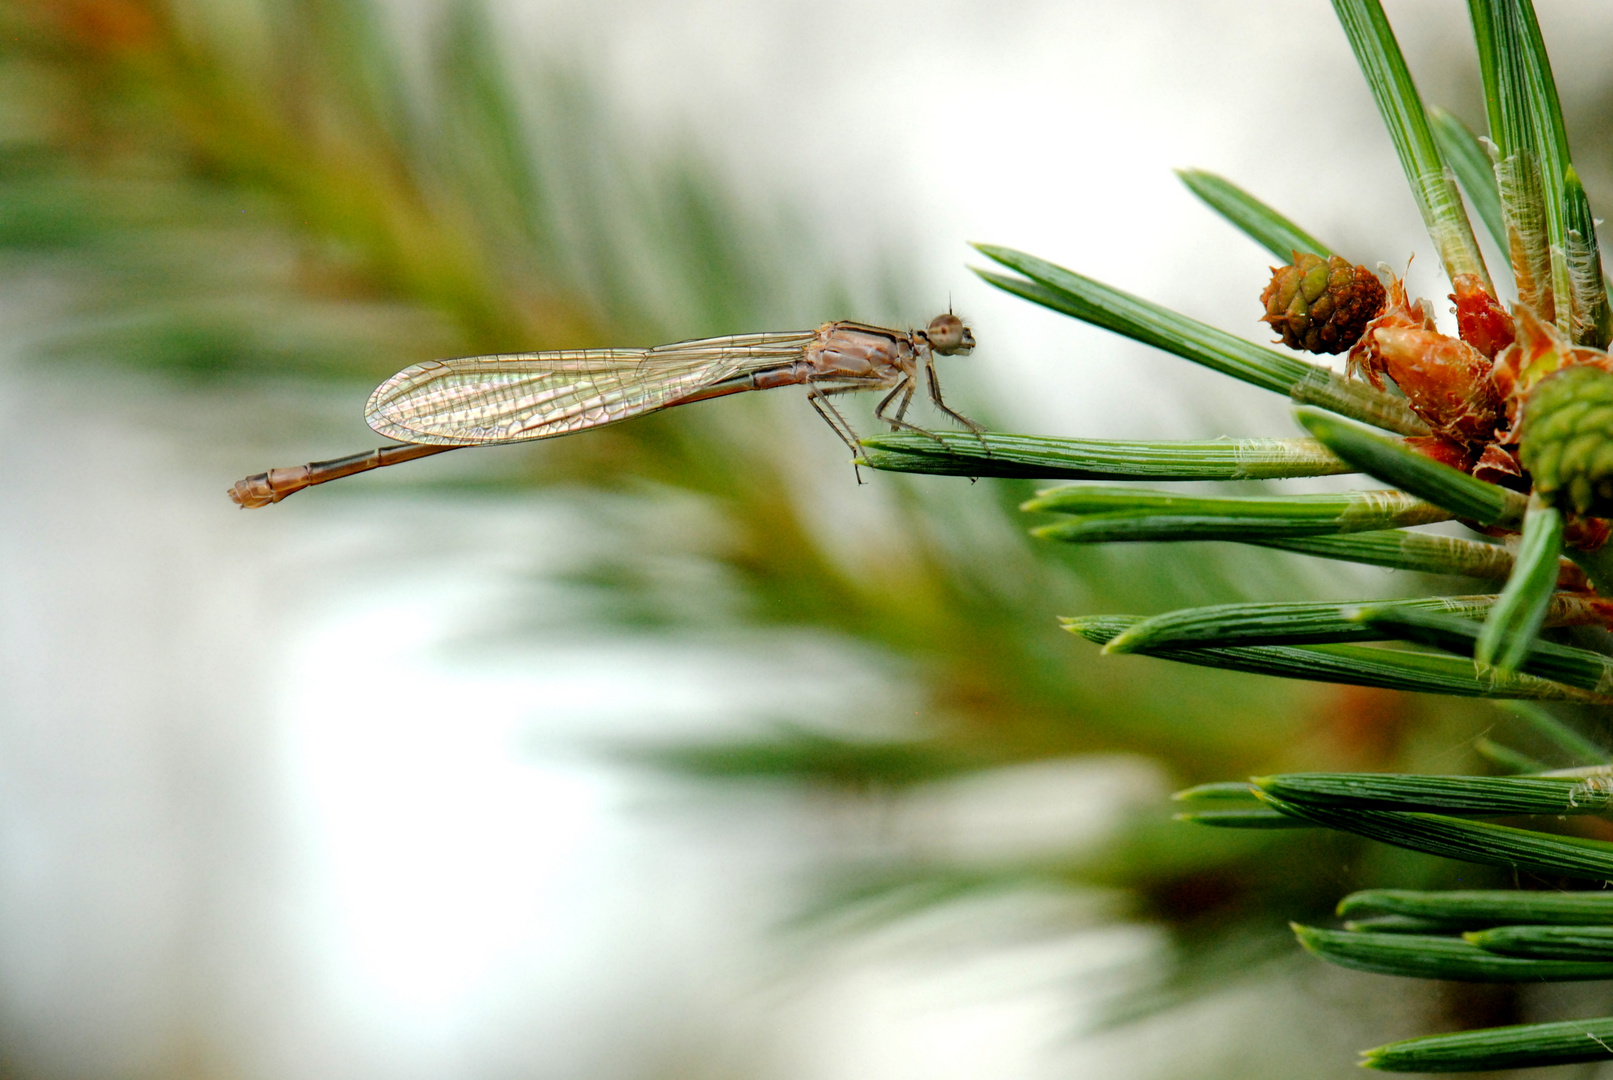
665	750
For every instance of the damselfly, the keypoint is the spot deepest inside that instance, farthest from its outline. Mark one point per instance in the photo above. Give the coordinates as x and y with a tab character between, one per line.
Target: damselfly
513	397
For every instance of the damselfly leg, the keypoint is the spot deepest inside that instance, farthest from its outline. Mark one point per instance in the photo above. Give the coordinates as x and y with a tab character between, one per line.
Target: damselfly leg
934	385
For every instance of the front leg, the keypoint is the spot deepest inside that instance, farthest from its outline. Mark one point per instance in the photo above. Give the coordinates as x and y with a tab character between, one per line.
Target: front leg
934	385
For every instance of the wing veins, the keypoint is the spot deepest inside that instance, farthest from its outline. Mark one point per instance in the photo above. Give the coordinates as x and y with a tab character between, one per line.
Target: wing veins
511	397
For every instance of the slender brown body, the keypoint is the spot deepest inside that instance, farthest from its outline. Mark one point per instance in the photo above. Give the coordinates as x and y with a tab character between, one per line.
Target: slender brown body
272	486
485	400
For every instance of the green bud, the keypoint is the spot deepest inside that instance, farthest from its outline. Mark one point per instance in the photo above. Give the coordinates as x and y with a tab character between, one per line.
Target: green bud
1567	439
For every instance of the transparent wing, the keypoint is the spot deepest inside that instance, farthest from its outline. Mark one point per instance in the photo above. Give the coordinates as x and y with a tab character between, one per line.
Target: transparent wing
512	397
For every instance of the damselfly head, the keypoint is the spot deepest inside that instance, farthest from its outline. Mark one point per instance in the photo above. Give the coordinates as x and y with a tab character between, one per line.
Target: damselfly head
948	336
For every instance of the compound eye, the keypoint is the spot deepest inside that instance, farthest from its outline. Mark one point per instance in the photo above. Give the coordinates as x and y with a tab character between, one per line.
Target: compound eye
948	335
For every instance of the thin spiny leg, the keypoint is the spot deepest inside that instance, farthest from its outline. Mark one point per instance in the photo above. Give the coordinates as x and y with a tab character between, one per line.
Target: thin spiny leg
907	399
903	425
832	417
905	384
905	388
842	427
896	425
935	397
